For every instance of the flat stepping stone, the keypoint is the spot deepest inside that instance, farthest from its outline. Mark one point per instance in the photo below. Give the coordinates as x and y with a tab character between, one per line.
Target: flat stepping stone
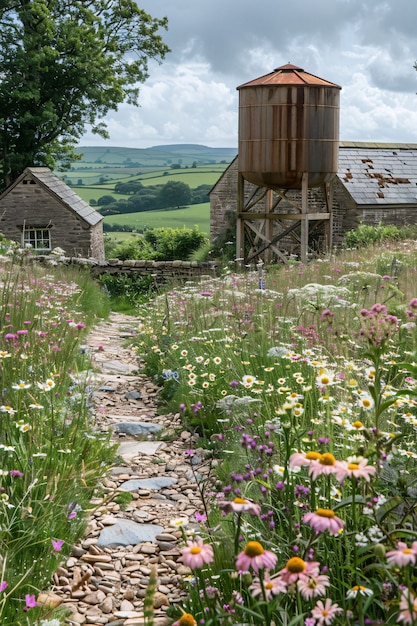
128	450
117	367
136	428
128	533
157	482
133	395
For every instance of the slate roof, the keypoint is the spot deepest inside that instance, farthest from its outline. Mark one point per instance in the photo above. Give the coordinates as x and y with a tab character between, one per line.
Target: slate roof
379	173
54	185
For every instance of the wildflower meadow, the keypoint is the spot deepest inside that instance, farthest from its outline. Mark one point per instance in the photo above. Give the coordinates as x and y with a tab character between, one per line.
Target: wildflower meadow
301	382
52	458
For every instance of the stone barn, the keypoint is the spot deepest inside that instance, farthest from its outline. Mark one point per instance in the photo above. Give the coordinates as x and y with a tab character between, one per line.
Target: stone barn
376	183
41	211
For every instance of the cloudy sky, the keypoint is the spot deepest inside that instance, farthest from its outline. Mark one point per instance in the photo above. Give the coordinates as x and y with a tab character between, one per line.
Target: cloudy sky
368	47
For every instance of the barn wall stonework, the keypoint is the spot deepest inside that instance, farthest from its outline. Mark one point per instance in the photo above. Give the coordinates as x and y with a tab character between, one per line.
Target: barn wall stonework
30	205
97	242
347	215
224	197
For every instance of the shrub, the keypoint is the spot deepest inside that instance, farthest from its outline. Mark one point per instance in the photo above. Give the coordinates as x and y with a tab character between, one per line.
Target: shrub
366	235
135	248
171	244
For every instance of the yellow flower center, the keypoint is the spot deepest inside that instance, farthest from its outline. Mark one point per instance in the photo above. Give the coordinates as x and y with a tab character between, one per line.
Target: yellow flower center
187	620
269	585
324	613
239	501
327	459
357	424
325	513
295	565
253	548
406	551
324	380
195	550
358	588
313	456
353	466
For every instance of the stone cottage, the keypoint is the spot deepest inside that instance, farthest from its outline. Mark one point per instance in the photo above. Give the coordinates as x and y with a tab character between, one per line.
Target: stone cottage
40	210
375	183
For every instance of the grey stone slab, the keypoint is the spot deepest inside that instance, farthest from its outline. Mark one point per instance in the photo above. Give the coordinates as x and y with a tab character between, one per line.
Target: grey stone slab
136	428
128	450
133	395
156	482
128	533
117	367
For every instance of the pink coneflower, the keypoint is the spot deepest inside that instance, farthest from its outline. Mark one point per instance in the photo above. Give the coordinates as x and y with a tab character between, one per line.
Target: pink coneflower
324	519
408	608
298	459
196	554
355	468
324	613
298	569
254	556
313	586
271	586
403	555
240	505
326	464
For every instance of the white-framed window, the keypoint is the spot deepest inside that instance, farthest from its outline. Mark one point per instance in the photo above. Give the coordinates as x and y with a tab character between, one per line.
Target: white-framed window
37	238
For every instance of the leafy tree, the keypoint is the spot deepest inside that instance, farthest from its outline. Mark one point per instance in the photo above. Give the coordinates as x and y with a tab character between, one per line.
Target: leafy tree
146	200
105	200
63	65
174	194
132	186
201	194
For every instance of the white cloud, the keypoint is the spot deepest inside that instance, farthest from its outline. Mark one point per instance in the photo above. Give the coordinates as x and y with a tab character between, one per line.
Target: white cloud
366	46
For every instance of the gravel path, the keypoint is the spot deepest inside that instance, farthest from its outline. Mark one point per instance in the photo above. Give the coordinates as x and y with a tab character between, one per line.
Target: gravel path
105	578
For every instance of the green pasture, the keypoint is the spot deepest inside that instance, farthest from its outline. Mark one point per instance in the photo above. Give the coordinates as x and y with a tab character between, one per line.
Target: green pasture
201	175
188	217
96	192
159	156
194	177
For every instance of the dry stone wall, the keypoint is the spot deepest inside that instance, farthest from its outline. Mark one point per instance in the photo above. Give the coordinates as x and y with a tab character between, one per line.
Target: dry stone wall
161	271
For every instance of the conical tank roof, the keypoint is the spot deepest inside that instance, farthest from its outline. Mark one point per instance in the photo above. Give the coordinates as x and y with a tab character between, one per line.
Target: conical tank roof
289	75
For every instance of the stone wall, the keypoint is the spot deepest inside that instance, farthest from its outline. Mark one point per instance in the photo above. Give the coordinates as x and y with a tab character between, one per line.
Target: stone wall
161	271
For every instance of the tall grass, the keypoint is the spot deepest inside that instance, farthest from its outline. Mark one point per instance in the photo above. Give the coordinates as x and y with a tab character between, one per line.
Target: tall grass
301	381
52	455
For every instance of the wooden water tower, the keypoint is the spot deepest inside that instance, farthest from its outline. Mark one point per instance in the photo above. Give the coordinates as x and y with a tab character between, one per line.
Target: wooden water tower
288	139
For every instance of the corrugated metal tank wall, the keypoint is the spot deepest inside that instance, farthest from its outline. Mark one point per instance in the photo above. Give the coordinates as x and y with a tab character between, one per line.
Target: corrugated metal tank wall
288	125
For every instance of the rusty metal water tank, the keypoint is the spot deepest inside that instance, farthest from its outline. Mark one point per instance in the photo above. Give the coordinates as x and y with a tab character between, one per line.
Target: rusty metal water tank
288	125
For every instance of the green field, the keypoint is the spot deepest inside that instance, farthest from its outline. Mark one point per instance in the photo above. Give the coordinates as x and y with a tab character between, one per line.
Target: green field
188	217
194	177
100	169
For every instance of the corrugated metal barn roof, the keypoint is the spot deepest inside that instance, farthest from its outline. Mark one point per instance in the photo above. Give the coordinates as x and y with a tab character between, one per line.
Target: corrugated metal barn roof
379	173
